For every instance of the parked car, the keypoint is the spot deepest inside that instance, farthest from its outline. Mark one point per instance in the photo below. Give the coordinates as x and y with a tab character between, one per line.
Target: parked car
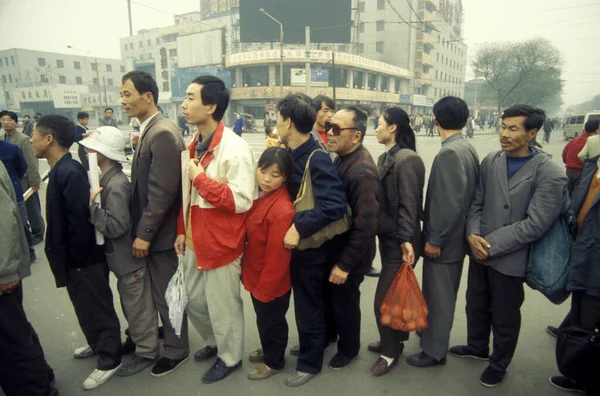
575	124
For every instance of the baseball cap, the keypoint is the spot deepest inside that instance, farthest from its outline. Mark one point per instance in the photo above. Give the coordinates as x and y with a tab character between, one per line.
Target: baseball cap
108	141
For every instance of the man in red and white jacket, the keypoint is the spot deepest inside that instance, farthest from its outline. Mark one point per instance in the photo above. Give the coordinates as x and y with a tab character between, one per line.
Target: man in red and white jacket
222	174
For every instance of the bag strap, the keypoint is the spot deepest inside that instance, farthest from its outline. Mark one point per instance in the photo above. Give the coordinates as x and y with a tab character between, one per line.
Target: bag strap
304	175
541	162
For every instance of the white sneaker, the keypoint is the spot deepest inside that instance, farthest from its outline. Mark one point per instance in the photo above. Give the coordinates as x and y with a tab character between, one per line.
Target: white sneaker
98	377
83	352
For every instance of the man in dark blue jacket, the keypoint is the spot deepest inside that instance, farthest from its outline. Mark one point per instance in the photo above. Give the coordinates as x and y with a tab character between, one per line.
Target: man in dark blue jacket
75	259
295	120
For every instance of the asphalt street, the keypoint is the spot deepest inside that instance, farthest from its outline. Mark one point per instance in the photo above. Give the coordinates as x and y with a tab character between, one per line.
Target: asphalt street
52	315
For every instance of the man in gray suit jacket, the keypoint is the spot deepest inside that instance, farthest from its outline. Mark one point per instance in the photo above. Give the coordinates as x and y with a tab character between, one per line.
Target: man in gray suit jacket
508	214
452	182
155	205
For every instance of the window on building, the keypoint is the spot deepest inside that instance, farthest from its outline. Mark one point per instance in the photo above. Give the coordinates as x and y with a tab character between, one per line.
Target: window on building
41	62
379	47
385	83
43	78
158	41
60	64
141	44
10	78
94	66
77	65
122	69
62	79
371	81
149	43
361	27
381	4
108	68
173	52
436	74
397	85
78	80
6	60
361	6
3	79
380	26
256	76
357	78
1	64
95	81
438	56
109	82
435	92
425	68
12	61
361	48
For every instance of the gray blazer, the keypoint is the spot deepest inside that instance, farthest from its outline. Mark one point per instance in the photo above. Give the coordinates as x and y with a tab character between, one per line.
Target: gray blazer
32	176
156	184
508	215
113	219
450	192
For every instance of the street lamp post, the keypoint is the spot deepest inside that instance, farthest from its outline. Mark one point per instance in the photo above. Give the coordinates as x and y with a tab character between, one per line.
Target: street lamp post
280	49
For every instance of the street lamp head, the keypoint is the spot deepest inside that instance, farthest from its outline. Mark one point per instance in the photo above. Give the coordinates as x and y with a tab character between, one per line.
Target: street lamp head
262	10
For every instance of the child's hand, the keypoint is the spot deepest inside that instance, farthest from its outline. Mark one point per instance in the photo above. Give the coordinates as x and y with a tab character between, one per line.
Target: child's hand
94	194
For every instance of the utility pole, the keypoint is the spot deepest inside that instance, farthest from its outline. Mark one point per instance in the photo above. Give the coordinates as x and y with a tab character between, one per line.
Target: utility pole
280	51
105	97
99	90
130	24
307	65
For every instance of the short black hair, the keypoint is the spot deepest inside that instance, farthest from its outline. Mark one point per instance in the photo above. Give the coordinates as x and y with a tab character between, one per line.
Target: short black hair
269	128
592	126
11	114
108	108
451	113
214	92
360	118
143	82
298	107
276	156
60	127
405	136
26	115
82	115
38	115
318	100
534	117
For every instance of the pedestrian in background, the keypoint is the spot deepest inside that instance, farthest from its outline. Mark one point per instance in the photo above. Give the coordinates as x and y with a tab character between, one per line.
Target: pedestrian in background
27	126
238	125
570	154
81	132
108	119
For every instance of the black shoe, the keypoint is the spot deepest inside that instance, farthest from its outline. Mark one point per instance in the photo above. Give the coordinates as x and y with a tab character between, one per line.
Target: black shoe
339	361
166	366
491	377
465	351
128	346
373	272
553	331
161	333
219	371
424	360
565	384
206	353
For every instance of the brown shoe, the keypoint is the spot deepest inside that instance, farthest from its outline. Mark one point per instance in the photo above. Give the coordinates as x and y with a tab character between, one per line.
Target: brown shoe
261	372
381	367
257	356
375	347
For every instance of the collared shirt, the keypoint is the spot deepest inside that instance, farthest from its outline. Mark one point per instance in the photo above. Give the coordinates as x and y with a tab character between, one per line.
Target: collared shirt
144	124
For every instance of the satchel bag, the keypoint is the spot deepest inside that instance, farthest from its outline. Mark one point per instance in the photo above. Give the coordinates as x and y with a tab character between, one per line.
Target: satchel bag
549	256
578	354
306	201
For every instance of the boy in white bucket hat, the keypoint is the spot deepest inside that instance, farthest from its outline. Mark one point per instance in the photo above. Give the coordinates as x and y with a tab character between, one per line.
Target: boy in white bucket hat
112	217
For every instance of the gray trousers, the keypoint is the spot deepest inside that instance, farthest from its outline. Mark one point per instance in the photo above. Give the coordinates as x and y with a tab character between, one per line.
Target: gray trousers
440	288
161	268
135	290
215	306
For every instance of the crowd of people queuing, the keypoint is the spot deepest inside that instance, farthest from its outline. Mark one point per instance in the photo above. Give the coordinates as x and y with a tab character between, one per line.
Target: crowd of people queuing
240	224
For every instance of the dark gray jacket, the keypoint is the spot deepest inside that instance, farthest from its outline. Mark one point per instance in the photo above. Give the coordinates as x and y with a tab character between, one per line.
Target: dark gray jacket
450	192
584	275
113	219
508	215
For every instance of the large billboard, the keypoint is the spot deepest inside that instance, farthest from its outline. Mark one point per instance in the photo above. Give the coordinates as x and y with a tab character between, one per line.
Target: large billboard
200	49
330	21
319	77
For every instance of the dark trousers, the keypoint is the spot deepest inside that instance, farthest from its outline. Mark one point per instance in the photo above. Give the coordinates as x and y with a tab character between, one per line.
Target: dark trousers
23	213
90	293
585	312
494	304
391	261
273	329
308	282
34	215
83	157
23	366
344	310
573	177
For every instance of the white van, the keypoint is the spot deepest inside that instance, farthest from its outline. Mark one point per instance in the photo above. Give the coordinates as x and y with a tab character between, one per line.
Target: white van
575	124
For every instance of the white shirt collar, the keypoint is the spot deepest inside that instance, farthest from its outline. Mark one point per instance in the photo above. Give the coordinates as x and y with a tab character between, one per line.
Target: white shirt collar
144	124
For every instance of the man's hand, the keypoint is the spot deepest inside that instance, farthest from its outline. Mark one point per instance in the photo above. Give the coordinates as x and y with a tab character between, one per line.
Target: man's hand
87	134
338	276
6	288
408	253
35	188
432	250
479	246
291	239
135	138
180	244
140	248
94	194
194	168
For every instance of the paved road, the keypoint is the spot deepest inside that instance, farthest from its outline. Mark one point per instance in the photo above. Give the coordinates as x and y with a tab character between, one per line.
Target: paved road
52	315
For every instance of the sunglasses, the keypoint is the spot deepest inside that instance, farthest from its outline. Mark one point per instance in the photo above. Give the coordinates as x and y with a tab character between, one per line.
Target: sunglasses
336	129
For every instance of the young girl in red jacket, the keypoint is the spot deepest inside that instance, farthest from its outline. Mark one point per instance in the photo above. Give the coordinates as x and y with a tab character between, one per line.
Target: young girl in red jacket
266	263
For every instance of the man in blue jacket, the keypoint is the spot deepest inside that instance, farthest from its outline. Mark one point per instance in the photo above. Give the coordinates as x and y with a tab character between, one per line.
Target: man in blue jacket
238	126
295	120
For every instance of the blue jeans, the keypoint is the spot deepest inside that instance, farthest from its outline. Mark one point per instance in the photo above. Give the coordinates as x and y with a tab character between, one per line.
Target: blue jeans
23	212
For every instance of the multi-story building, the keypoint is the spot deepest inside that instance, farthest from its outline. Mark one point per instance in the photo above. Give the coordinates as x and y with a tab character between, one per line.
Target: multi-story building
47	82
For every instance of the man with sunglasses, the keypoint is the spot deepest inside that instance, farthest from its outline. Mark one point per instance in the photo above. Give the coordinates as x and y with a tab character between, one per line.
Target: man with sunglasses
350	255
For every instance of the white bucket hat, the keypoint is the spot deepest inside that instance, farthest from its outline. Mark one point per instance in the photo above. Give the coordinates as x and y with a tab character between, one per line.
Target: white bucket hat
108	141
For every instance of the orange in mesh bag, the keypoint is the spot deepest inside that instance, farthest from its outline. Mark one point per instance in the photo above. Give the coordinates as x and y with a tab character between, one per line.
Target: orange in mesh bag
403	307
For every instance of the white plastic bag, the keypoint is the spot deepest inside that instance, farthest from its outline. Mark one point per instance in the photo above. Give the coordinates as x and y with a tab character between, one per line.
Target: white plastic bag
177	298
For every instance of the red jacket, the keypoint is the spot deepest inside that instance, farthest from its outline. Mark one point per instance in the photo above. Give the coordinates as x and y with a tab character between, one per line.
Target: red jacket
571	151
266	263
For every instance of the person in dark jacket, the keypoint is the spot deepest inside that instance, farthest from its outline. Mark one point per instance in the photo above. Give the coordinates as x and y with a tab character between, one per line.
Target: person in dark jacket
81	132
402	174
295	120
75	259
27	125
584	273
238	126
350	255
571	152
452	182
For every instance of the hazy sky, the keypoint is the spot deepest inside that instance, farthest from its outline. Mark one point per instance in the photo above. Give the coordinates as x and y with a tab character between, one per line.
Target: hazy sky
97	25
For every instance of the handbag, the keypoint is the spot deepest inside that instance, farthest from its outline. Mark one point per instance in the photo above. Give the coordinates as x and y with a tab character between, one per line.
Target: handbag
177	298
578	354
306	201
549	256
